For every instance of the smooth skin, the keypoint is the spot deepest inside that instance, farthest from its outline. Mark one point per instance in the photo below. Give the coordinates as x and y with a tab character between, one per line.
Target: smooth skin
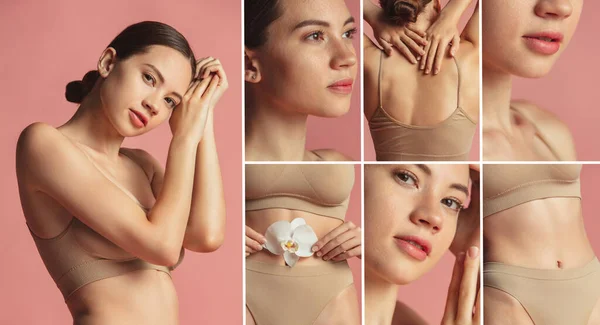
429	197
307	49
409	85
514	134
57	181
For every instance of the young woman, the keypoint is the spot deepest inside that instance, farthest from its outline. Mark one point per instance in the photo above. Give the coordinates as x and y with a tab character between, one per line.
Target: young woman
524	39
109	222
420	112
300	61
412	217
539	266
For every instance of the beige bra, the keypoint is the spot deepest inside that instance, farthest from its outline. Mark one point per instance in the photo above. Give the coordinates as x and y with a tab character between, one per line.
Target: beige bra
508	185
322	189
79	255
393	140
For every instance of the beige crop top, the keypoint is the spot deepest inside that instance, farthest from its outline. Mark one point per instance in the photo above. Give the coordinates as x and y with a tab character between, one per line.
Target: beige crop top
508	185
448	140
322	189
79	256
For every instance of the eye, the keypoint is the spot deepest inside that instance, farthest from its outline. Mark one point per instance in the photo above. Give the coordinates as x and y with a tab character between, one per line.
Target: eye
149	78
350	34
315	36
171	102
407	178
452	204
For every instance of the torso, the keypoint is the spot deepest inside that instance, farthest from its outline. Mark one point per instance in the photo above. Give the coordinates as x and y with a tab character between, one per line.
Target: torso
149	295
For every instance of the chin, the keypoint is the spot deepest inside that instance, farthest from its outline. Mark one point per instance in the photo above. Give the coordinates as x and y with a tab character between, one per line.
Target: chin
336	108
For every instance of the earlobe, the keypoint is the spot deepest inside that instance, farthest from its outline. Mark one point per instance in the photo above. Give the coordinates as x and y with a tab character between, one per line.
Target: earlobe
251	69
107	61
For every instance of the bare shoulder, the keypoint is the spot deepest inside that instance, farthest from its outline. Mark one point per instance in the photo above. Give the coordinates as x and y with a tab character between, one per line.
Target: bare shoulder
371	54
38	139
554	130
331	155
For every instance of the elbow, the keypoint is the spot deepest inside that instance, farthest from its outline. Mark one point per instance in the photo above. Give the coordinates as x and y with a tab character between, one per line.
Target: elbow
168	256
206	243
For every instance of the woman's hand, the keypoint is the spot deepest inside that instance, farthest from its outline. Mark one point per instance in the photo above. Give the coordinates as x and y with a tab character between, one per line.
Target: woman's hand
468	227
339	244
254	241
441	34
462	304
189	117
406	39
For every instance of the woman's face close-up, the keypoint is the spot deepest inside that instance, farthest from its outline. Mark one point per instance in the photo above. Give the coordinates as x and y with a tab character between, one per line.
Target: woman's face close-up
526	37
140	92
411	213
308	63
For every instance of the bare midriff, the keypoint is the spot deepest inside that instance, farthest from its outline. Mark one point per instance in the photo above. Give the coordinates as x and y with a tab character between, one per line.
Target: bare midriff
260	220
139	297
542	234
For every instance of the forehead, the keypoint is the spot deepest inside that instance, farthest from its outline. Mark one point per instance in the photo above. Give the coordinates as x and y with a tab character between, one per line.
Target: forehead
454	173
173	65
334	12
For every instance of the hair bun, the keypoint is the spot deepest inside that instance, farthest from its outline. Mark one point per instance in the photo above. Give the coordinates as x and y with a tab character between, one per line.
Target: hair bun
77	90
400	11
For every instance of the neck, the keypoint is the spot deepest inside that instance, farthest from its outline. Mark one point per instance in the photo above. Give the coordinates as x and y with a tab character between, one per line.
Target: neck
274	133
427	17
497	86
380	300
91	127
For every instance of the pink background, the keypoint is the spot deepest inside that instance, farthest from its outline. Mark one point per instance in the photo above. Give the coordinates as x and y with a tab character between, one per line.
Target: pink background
369	150
47	45
428	294
342	133
570	90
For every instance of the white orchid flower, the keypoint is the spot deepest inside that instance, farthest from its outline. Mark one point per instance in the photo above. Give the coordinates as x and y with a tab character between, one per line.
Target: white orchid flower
290	239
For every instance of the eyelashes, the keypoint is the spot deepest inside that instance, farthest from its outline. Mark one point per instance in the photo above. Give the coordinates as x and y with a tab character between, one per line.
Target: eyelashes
408	179
149	79
319	35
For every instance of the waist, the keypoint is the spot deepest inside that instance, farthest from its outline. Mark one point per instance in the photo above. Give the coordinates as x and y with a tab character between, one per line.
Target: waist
149	297
291	203
538	234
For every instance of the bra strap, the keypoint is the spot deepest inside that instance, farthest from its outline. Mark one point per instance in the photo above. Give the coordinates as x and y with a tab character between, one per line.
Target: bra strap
459	83
379	80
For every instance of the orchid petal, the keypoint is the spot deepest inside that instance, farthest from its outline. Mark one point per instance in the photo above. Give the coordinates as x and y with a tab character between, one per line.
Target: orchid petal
276	233
306	238
290	258
297	223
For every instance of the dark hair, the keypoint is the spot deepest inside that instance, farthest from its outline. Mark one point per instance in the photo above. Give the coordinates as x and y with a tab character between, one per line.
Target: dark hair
133	40
258	15
400	12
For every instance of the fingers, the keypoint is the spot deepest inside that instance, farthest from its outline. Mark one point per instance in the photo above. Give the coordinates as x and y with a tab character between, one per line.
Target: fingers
413	28
254	235
252	246
212	86
198	89
345	246
419	39
431	54
412	45
452	299
216	69
468	286
439	57
403	49
477	317
348	254
331	235
455	45
424	57
387	48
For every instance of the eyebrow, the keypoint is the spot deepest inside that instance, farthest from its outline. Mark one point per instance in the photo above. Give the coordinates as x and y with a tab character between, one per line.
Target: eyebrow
455	186
162	79
316	22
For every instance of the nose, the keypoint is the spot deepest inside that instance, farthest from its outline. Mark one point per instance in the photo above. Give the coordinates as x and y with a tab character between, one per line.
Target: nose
429	214
149	104
344	55
554	9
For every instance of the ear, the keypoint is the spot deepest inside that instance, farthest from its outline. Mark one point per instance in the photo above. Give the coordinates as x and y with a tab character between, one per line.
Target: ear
107	61
252	66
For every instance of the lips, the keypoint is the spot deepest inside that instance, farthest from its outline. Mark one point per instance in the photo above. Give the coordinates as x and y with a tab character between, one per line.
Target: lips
414	246
135	115
546	43
343	86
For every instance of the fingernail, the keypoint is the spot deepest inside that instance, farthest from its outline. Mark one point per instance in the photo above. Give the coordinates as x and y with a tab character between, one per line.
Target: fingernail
325	258
436	71
319	254
315	248
473	252
461	256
